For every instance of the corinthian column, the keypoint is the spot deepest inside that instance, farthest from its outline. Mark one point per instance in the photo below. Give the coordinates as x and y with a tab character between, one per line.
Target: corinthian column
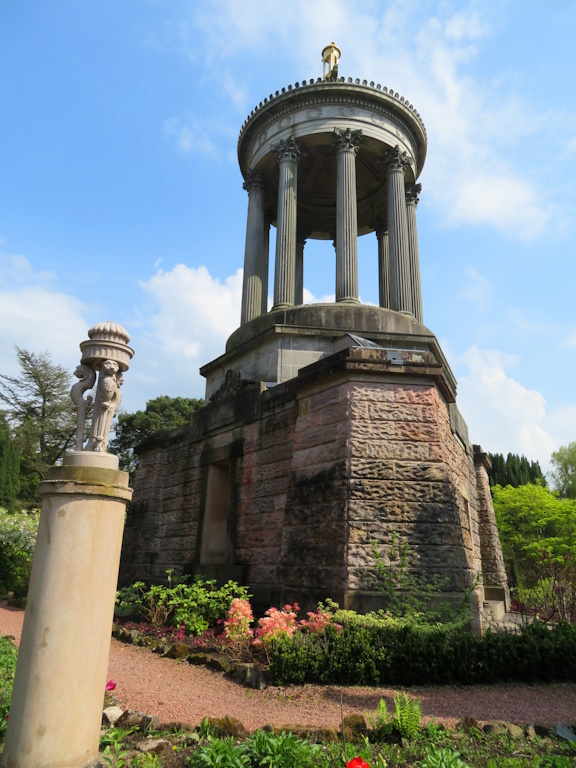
268	218
289	152
412	193
346	143
401	293
383	263
299	294
254	250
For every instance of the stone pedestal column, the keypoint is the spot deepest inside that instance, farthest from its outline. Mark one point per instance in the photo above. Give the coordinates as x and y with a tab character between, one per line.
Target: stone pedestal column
254	250
412	193
289	152
346	144
299	295
383	263
401	293
56	709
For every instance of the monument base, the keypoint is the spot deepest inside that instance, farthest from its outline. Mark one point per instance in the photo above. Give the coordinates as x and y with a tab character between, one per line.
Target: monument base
293	485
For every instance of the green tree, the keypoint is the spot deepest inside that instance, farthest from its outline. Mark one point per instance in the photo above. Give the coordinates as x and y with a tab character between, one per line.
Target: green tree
564	470
514	470
533	522
161	413
39	412
9	467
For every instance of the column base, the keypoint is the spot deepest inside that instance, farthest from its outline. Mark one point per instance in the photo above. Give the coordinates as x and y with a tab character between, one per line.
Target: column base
281	306
348	300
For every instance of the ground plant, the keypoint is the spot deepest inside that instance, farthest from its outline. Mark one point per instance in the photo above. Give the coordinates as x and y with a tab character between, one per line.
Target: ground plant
431	745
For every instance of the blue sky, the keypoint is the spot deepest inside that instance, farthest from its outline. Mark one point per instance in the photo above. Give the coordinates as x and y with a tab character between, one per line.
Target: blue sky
121	198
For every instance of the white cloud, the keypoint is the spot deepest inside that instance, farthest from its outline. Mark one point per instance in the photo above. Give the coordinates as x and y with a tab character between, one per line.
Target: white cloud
309	298
501	413
37	318
478	289
191	137
17	270
187	319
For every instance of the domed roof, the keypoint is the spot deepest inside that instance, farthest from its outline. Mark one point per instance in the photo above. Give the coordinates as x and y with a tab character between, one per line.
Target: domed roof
109	331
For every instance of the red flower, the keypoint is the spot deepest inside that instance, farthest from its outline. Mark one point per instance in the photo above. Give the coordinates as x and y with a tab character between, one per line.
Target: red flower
110	685
357	762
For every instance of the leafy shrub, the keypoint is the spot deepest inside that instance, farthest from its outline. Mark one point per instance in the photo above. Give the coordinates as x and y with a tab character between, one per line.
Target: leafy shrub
400	653
277	623
196	606
18	531
8	656
238	619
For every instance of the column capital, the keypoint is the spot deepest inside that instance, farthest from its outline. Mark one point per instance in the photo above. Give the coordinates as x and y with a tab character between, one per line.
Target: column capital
380	226
396	160
254	180
413	193
346	140
288	149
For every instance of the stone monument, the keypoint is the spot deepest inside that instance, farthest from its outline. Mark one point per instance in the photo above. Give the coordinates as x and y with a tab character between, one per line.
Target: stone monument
56	709
328	427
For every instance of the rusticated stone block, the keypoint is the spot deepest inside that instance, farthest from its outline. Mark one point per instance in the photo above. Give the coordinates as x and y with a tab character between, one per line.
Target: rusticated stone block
419	395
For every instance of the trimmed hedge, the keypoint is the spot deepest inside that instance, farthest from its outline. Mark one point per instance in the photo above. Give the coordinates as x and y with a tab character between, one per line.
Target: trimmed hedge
419	655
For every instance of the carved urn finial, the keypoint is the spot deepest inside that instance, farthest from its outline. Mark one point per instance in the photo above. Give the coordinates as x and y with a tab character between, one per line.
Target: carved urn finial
330	58
106	353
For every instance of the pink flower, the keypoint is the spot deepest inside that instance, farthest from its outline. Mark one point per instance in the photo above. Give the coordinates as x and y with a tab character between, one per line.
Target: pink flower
110	685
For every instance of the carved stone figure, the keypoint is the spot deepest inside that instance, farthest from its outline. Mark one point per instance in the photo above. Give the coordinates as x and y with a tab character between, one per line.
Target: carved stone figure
82	405
107	401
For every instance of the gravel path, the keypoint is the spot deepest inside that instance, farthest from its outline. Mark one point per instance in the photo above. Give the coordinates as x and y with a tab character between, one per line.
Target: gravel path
177	691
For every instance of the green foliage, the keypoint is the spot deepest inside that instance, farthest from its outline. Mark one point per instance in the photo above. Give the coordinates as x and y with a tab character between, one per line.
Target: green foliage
161	413
40	415
282	749
219	752
411	595
18	533
403	653
9	467
514	470
196	606
532	522
408	717
564	470
379	719
8	657
438	757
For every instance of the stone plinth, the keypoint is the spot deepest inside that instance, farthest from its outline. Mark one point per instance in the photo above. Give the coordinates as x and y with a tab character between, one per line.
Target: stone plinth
55	715
362	443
